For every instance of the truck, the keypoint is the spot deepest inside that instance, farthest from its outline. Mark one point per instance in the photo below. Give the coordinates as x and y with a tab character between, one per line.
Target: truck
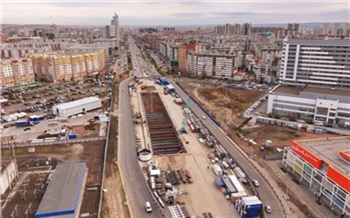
21	123
217	170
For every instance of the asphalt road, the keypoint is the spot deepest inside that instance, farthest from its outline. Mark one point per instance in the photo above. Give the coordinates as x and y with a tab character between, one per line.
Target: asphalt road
267	196
135	186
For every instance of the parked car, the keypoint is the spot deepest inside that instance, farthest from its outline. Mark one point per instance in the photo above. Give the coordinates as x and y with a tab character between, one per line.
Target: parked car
26	129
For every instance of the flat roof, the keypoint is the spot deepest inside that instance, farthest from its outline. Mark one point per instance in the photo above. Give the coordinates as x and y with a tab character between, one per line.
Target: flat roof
76	103
320	42
328	150
251	200
293	90
63	191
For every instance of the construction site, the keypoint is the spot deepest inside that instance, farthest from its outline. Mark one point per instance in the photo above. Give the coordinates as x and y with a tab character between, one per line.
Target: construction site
164	137
226	105
182	157
32	170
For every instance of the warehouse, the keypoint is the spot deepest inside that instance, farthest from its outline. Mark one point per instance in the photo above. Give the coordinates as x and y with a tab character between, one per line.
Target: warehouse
64	192
324	165
76	107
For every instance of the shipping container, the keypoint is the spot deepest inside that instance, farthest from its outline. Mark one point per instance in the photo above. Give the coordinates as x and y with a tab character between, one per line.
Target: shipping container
72	136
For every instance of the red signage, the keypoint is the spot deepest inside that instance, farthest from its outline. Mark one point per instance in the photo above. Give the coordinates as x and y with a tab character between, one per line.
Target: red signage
345	155
306	155
338	178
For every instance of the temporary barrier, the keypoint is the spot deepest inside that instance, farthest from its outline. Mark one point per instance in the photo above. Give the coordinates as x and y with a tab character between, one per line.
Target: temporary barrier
200	106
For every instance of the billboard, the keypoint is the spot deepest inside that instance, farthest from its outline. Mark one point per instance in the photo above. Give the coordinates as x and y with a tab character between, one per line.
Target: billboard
338	178
306	155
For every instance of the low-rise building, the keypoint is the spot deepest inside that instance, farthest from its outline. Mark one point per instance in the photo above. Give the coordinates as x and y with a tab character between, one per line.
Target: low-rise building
322	165
327	105
76	107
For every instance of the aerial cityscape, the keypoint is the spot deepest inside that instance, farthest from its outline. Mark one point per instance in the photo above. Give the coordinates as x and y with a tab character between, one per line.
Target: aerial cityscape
163	109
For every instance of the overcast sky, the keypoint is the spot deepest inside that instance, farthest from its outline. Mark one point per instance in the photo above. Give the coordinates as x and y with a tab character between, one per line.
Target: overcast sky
194	12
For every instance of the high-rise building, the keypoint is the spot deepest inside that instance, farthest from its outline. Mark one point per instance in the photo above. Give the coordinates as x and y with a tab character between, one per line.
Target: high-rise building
112	31
325	27
246	29
318	62
293	26
16	72
59	68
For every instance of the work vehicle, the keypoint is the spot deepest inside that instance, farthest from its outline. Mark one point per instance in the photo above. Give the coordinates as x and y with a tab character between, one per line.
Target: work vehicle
148	207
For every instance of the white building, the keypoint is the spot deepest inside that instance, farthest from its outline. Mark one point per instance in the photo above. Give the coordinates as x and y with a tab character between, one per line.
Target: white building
318	62
213	65
314	103
76	107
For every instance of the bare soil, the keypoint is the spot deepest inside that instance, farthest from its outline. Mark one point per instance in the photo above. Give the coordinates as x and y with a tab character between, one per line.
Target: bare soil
223	103
81	132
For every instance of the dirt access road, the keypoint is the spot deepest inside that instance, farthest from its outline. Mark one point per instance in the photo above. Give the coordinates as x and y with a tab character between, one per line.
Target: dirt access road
114	197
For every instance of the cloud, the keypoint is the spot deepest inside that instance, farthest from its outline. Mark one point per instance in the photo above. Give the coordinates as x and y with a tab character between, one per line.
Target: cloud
141	12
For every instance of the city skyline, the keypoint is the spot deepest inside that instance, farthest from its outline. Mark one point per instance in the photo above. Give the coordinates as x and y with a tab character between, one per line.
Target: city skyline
179	13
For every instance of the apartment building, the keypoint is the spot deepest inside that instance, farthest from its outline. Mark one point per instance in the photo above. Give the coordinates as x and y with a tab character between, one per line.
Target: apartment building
24	48
315	103
62	69
78	66
318	62
210	65
16	72
59	68
182	53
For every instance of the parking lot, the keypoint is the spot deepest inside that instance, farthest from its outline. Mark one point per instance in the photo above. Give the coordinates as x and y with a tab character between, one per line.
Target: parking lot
39	100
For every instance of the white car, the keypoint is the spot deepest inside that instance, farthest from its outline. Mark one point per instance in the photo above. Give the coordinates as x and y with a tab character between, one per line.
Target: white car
255	183
268	209
148	207
203	117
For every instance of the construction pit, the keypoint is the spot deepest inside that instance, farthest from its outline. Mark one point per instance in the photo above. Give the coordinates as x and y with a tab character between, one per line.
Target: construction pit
163	135
190	172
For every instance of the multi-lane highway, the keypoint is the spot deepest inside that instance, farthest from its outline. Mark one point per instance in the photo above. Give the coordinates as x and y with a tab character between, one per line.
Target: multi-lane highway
267	196
136	188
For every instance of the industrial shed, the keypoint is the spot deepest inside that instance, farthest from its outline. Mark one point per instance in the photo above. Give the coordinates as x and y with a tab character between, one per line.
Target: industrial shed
76	107
64	192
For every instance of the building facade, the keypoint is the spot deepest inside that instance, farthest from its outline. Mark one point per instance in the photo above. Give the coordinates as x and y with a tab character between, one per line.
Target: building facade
317	104
319	62
16	72
60	68
210	65
323	167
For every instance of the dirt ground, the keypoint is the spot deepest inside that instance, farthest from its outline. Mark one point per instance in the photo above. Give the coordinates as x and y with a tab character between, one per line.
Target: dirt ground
81	132
280	136
225	103
92	152
152	103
